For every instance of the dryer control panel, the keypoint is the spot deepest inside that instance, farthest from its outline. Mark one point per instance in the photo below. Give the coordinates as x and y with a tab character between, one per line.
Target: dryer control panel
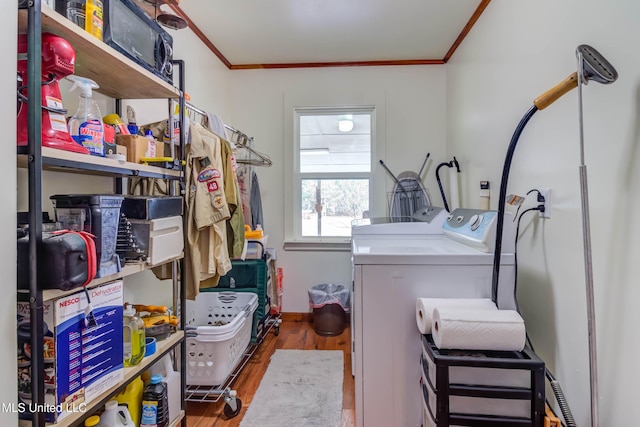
428	213
473	227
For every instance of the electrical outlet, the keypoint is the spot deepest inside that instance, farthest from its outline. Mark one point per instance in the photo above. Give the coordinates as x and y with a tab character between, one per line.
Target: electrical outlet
546	193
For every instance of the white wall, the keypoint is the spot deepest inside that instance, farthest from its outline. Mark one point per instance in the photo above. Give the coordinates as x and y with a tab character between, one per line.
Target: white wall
8	361
516	51
410	106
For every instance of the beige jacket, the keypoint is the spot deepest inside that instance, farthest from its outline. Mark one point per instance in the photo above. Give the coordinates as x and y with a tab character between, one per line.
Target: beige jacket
206	253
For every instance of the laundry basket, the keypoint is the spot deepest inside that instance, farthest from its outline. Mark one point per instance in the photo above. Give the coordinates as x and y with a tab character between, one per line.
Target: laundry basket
217	334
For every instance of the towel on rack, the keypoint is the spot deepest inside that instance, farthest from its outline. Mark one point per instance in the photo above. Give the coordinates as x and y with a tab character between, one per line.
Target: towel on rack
216	125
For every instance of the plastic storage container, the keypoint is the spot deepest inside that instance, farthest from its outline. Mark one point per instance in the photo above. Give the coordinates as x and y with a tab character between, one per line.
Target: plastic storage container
101	214
330	303
501	401
155	406
218	333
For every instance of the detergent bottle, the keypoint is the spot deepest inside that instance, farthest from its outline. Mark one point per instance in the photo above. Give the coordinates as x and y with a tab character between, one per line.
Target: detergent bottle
115	415
132	397
134	337
86	127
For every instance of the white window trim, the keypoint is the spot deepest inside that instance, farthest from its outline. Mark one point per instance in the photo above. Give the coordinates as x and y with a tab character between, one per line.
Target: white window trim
293	223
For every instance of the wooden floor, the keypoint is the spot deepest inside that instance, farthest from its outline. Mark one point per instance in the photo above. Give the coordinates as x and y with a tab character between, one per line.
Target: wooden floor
294	334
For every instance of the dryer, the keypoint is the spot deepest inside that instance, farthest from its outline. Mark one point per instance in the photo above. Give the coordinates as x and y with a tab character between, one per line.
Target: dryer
393	265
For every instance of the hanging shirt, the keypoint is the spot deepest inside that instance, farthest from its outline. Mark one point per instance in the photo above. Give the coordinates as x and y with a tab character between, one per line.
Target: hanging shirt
207	210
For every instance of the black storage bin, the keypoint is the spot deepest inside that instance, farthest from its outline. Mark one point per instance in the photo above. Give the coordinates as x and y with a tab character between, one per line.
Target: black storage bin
150	207
481	388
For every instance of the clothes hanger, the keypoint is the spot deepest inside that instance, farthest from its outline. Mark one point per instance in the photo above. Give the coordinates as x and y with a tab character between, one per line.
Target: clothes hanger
261	160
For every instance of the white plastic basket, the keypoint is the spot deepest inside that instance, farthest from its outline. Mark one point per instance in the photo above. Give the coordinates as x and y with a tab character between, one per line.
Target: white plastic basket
218	332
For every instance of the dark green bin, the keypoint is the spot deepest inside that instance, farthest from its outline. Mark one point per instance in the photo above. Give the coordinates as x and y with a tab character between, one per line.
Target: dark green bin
248	276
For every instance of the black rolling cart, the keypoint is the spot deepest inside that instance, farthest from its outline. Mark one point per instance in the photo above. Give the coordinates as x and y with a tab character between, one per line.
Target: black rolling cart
481	388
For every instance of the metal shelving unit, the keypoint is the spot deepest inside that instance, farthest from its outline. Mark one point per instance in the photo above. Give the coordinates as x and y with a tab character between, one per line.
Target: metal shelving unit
118	77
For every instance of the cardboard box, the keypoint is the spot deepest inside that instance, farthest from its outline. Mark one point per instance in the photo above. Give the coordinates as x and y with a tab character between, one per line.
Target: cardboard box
137	146
81	362
121	149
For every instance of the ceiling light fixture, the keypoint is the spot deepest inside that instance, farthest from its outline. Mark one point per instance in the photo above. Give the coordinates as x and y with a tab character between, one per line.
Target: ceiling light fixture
345	123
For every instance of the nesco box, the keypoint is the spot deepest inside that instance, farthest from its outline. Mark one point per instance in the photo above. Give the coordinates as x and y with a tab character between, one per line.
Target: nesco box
81	362
149	207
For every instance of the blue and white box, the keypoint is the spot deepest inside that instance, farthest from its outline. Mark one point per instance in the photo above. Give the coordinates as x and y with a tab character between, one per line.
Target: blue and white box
83	359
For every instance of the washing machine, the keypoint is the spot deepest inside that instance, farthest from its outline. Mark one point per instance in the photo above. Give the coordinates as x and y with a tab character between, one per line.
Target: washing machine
448	256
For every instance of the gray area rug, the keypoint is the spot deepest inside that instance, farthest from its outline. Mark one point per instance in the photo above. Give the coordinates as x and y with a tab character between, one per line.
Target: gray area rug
301	388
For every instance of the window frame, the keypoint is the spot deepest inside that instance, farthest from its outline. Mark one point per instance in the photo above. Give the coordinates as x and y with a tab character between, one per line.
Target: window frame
292	216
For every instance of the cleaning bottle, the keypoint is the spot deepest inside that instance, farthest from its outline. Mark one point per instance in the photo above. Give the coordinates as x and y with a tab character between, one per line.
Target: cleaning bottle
115	415
86	127
151	144
154	403
131	396
134	337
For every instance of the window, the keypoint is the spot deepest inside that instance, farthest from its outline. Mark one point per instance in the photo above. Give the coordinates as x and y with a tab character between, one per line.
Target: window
332	172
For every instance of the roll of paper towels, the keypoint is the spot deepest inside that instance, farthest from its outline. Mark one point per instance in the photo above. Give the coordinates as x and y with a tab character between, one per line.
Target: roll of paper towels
464	329
425	306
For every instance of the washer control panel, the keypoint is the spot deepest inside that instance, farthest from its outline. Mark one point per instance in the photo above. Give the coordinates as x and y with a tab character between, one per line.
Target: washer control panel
472	227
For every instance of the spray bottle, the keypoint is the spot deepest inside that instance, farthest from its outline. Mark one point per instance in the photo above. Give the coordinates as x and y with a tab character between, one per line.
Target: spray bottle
86	127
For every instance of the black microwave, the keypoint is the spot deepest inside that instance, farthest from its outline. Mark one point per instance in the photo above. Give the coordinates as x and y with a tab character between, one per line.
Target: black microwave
132	32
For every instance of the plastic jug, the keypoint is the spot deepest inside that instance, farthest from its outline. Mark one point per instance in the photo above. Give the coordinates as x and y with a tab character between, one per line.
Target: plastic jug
115	415
154	403
164	367
132	397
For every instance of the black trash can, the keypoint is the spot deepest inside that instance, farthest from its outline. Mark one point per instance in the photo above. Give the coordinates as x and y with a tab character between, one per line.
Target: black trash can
330	302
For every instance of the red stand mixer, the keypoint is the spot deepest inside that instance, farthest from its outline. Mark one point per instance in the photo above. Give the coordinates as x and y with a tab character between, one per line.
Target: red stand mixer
58	58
